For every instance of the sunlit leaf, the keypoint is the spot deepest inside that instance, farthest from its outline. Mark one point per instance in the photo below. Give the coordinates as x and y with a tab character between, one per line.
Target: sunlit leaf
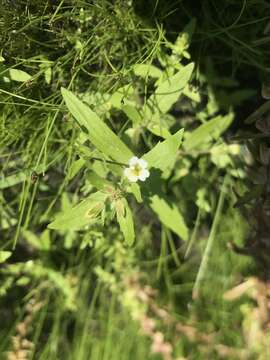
132	113
145	70
85	213
163	155
168	92
12	180
101	136
19	75
4	255
169	215
125	220
211	130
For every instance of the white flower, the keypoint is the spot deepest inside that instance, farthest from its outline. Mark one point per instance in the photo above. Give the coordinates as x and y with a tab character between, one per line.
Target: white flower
137	170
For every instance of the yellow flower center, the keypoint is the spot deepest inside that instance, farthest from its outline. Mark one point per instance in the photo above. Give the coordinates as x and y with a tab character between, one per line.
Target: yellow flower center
136	169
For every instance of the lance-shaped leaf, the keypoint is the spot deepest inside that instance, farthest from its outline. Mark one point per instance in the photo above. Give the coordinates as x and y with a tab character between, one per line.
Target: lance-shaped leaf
169	215
132	113
168	92
101	136
85	213
211	130
163	155
125	220
4	255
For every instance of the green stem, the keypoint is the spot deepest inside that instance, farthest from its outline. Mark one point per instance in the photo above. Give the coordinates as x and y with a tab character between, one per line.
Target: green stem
109	161
207	252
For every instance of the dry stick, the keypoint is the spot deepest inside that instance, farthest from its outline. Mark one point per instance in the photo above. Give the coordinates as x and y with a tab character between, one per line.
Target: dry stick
210	242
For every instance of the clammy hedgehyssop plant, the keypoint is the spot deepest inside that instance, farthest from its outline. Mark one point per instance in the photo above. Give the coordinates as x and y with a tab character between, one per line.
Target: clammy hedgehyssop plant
119	190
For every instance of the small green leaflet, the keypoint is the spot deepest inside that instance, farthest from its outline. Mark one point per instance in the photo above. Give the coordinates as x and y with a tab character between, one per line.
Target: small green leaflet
18	177
120	95
85	213
75	168
135	189
158	129
168	92
19	75
169	215
163	155
183	40
96	180
132	113
125	220
211	130
12	180
48	75
101	136
41	242
145	70
4	255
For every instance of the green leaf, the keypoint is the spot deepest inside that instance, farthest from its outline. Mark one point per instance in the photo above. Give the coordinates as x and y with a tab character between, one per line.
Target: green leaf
183	40
145	70
211	130
192	93
48	75
42	242
163	155
132	113
135	189
120	95
85	213
125	220
19	75
96	180
168	92
101	136
75	168
4	255
169	215
12	180
158	129
265	107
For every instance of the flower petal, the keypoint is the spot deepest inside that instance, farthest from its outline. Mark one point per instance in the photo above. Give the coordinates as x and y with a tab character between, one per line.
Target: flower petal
133	161
143	163
144	174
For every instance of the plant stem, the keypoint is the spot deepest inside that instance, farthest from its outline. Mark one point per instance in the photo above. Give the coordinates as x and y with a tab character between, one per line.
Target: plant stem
207	252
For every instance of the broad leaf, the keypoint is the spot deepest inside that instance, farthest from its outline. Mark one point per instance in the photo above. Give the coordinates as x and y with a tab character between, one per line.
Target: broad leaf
211	130
169	215
101	136
163	155
85	213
